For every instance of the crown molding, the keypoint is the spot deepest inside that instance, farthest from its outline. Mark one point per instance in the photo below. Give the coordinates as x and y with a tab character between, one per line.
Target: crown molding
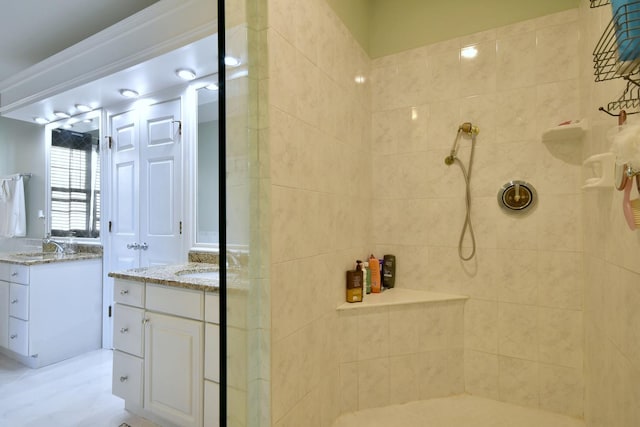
156	30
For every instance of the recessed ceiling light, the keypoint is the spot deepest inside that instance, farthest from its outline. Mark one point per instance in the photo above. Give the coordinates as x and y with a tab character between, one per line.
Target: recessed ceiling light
129	93
83	108
40	120
186	74
469	52
360	79
61	114
212	86
231	61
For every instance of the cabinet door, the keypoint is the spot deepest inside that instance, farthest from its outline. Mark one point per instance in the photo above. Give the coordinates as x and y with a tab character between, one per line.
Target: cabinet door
173	368
4	314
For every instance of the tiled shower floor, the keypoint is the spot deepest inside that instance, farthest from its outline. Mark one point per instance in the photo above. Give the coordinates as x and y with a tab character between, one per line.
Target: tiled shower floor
456	411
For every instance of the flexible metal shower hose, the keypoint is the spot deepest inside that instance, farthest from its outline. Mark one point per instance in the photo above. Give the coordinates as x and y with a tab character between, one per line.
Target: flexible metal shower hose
467	221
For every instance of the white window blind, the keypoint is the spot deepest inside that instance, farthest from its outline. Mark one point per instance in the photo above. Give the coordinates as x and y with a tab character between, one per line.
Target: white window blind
75	184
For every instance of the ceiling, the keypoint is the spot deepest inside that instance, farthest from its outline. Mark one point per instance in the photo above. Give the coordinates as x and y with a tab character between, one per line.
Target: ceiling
57	32
27	38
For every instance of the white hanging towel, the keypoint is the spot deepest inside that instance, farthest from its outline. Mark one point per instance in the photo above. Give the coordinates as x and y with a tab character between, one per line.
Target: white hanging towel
5	190
13	218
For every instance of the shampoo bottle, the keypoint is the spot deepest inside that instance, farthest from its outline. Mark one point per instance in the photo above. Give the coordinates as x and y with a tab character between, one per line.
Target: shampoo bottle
389	271
354	286
367	277
374	265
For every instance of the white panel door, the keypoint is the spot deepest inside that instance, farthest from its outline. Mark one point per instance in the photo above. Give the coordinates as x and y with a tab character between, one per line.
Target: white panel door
173	368
125	154
160	184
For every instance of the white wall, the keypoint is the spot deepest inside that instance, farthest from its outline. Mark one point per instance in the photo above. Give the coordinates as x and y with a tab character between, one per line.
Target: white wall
523	322
315	158
611	259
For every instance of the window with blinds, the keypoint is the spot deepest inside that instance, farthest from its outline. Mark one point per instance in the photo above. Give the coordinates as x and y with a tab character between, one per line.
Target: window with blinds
75	184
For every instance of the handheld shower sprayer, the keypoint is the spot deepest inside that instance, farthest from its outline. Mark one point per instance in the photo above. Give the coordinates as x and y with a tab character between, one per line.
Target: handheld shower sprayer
466	128
471	131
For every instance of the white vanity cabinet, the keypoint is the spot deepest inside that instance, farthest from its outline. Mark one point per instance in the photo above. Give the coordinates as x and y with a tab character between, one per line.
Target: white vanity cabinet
159	357
4	314
51	311
212	361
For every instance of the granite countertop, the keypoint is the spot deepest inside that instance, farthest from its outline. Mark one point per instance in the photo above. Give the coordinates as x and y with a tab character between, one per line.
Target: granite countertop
36	258
193	275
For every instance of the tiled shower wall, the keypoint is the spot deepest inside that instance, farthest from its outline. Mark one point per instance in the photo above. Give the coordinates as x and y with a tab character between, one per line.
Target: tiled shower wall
524	320
315	156
612	261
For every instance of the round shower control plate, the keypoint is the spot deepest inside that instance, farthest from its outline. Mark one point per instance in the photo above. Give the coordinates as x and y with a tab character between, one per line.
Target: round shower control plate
517	196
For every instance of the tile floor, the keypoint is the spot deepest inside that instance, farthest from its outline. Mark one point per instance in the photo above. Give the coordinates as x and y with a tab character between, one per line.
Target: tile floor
74	392
456	411
77	392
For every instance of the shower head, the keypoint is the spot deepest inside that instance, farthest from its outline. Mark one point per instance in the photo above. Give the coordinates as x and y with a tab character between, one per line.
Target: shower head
468	128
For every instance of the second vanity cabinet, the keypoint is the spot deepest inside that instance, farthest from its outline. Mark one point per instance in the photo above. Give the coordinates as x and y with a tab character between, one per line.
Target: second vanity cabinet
160	363
50	312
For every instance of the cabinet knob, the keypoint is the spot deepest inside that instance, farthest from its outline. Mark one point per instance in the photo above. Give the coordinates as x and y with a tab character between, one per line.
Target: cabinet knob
144	246
14	274
124	379
124	292
14	336
145	321
134	246
14	301
124	330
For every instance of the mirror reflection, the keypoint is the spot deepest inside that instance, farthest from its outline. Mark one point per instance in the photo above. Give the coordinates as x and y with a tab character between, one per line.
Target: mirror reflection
207	230
74	180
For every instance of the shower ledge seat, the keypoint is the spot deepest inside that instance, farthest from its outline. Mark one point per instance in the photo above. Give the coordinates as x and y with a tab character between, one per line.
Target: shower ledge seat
399	296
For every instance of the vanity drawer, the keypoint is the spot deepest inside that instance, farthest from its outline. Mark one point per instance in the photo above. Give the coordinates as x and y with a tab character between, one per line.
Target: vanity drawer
128	329
212	352
211	404
129	292
127	377
211	307
180	302
19	301
19	336
19	274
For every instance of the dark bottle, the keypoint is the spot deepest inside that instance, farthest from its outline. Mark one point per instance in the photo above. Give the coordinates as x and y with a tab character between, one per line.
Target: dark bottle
389	271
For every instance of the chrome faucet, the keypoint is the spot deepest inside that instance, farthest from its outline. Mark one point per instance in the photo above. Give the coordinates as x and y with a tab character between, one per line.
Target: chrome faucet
233	261
60	249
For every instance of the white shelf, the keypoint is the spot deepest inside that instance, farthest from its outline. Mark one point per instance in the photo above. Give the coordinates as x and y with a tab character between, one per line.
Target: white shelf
399	296
566	132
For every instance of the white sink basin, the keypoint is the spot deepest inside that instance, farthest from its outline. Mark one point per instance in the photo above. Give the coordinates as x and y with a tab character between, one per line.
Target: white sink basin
201	275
